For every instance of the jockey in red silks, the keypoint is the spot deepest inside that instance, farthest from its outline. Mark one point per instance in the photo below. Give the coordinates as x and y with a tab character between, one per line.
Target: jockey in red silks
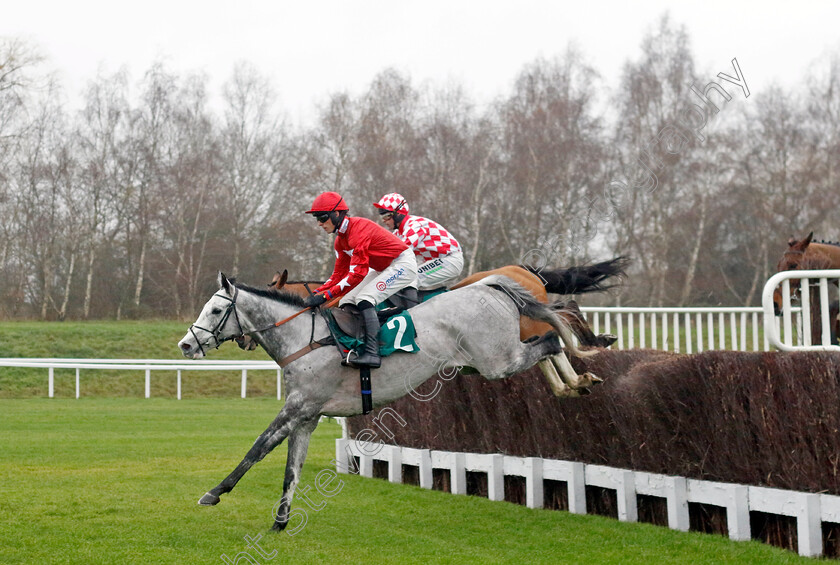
371	264
439	257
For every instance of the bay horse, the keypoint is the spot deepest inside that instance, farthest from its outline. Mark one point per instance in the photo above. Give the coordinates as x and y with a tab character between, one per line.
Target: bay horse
476	326
562	378
803	255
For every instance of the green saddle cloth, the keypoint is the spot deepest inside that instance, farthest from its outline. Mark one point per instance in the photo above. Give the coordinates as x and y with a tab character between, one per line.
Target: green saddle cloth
396	334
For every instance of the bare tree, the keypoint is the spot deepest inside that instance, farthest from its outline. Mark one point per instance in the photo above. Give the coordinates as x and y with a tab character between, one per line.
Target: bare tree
187	186
653	154
462	171
553	141
250	140
388	149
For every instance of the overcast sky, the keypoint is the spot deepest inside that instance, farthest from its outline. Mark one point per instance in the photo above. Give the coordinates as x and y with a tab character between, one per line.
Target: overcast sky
313	48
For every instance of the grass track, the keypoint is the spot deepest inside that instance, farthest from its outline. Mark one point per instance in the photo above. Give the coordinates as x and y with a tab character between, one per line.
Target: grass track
116	481
118	340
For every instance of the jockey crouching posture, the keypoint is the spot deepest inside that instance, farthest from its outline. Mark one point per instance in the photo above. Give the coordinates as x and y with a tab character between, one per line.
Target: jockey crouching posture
371	264
438	254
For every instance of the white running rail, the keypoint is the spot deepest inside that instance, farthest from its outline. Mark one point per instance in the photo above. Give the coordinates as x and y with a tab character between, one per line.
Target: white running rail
146	365
820	279
682	330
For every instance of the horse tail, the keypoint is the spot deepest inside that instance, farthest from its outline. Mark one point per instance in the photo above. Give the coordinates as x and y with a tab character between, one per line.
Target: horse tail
530	307
584	278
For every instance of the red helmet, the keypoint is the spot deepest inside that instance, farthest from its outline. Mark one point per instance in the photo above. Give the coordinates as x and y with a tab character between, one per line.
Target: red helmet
393	202
328	202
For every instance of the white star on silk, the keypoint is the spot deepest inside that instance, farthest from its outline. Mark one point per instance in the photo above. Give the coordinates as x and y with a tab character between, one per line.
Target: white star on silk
342	283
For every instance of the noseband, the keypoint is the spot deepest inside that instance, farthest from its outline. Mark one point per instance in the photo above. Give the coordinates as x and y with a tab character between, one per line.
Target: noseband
217	329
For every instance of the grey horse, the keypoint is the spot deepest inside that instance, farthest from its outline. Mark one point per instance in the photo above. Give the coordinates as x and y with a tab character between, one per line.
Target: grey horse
476	326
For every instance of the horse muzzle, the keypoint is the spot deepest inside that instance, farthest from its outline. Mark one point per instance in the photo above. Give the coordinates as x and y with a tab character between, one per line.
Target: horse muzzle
189	350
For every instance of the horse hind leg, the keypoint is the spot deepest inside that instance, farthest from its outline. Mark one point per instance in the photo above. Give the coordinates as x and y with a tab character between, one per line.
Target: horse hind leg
572	314
527	354
557	385
298	447
577	382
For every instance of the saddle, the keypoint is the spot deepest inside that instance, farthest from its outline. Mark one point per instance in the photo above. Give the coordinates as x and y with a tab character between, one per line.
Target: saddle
347	333
348	318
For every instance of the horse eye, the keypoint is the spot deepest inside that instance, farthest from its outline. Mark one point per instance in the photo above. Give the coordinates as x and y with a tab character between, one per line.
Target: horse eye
217	311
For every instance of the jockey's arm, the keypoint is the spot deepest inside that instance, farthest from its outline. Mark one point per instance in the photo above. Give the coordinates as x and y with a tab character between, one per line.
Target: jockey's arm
349	271
340	270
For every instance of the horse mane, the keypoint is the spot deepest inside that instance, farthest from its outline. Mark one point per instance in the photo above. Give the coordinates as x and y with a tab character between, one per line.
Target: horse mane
305	282
824	242
271	293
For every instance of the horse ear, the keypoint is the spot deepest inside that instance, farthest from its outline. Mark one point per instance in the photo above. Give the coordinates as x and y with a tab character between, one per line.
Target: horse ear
807	240
224	283
791	241
278	280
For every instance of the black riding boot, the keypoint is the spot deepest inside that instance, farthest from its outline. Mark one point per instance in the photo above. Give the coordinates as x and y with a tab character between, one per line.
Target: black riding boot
405	299
370	357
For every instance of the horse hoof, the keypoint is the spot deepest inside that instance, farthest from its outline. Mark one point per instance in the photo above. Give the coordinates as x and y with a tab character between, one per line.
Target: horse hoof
583	391
594	379
607	339
278	527
209	500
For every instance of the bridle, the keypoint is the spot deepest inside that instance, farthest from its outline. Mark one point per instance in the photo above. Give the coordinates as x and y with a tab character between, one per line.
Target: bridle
231	308
217	329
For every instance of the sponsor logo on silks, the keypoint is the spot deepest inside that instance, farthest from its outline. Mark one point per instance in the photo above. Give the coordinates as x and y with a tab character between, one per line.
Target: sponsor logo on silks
392	278
380	286
430	265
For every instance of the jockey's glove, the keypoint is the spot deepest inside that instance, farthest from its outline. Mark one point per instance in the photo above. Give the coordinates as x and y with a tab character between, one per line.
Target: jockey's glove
314	300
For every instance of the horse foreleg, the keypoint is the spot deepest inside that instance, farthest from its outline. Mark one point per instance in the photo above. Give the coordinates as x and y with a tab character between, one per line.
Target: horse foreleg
287	420
298	446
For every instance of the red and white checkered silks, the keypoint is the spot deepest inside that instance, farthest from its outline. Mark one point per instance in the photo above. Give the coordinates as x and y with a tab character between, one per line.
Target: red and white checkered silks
428	239
390	202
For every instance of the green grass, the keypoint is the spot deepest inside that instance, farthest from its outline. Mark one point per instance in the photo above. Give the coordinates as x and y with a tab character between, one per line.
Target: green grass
118	340
116	481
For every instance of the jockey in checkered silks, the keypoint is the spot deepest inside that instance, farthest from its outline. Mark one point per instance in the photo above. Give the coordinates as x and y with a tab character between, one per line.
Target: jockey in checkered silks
438	254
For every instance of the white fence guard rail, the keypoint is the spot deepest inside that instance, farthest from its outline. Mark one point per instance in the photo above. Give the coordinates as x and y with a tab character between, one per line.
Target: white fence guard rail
680	329
809	509
146	365
771	325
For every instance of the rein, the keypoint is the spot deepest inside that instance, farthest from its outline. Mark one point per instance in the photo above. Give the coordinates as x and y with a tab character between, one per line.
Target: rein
329	304
313	345
231	308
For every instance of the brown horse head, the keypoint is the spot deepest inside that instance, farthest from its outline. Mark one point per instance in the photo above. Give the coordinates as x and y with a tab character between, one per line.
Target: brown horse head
802	255
792	258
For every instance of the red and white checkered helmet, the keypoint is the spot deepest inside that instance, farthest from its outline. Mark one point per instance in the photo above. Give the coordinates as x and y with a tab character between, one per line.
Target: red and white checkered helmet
393	202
